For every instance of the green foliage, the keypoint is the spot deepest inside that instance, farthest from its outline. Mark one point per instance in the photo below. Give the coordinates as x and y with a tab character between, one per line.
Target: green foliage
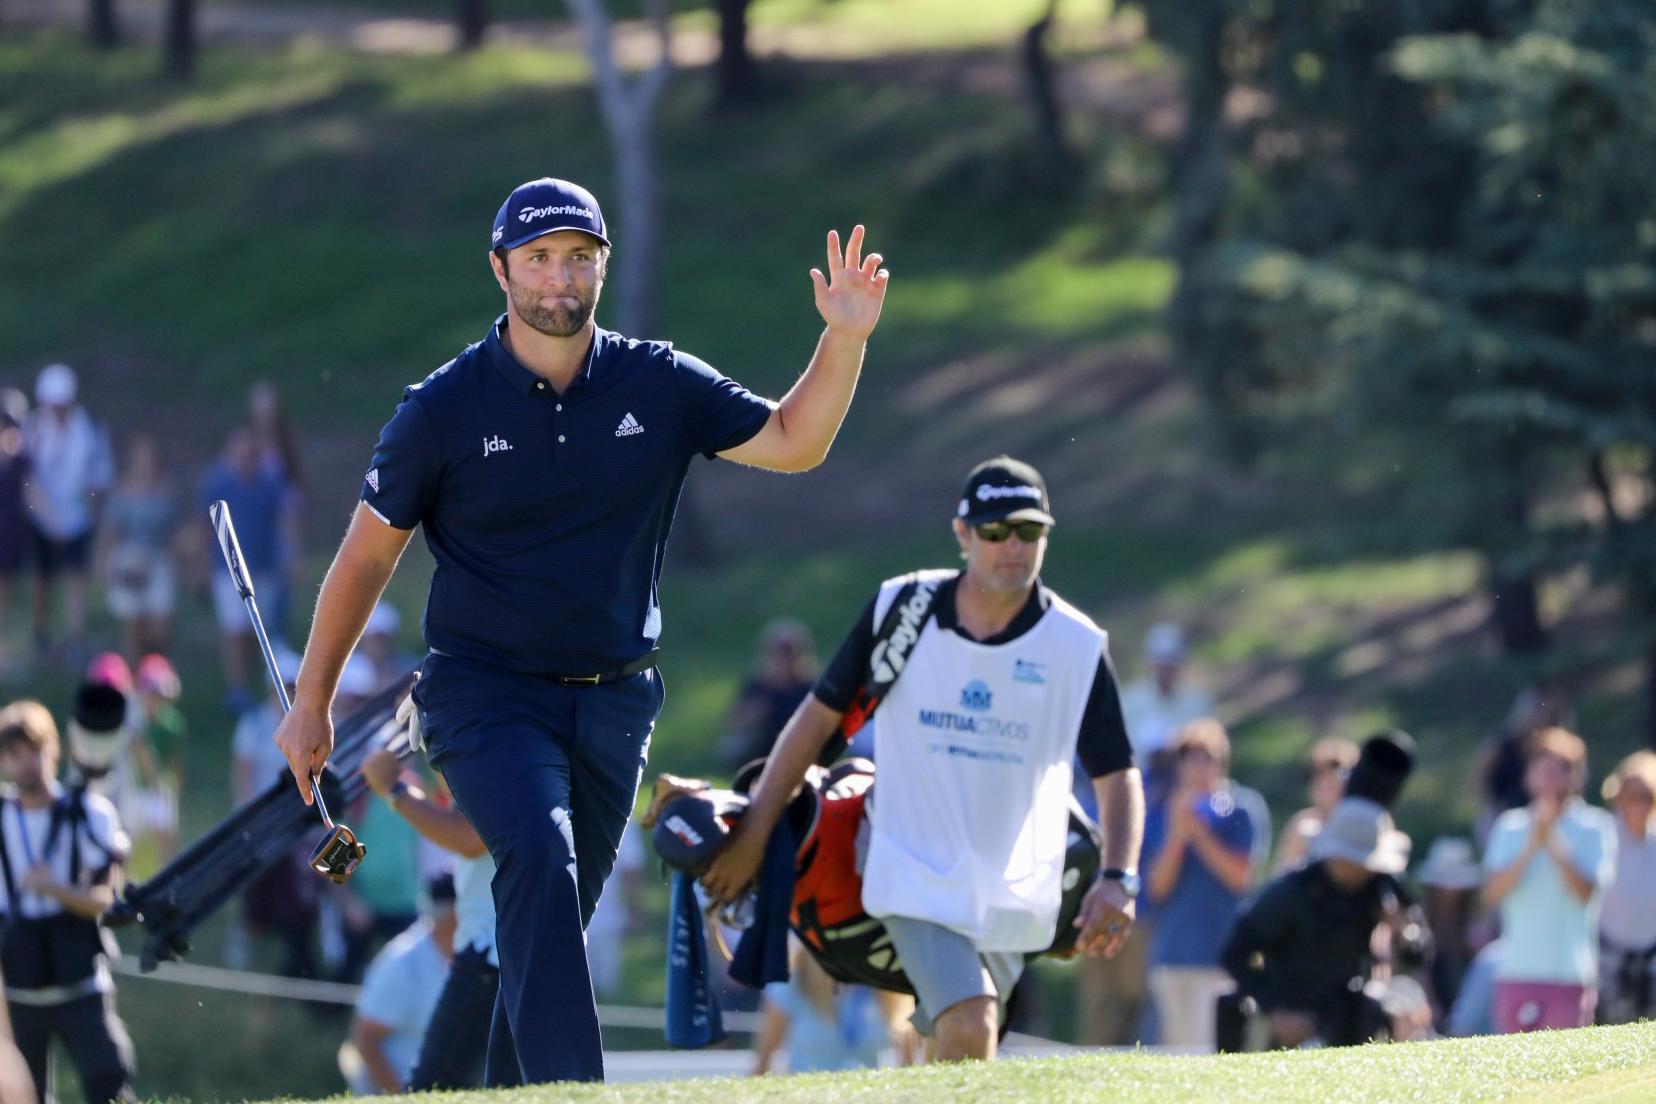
1432	271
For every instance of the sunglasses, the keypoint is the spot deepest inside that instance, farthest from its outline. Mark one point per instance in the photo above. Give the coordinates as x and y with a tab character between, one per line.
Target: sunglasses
996	531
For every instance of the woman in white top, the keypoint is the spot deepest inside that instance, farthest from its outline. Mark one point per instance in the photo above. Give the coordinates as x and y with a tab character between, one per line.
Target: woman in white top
1627	926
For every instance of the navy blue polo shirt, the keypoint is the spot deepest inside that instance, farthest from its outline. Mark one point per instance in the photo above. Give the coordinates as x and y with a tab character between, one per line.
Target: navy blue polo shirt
548	514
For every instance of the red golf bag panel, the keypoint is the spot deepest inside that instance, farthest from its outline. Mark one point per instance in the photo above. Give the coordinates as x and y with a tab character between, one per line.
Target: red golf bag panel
828	915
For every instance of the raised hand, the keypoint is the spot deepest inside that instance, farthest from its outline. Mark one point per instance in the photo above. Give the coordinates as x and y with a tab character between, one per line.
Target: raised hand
849	297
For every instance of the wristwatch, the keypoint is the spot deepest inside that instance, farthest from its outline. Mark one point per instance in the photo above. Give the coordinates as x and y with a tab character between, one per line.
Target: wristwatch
398	788
1129	879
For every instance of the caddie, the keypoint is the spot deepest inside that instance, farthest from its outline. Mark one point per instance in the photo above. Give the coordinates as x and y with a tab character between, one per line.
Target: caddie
545	463
1002	684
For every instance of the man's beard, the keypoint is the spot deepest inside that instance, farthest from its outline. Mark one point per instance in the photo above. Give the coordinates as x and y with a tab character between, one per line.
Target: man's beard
552	321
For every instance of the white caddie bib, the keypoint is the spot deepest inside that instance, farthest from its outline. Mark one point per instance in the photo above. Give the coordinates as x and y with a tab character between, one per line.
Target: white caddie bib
971	809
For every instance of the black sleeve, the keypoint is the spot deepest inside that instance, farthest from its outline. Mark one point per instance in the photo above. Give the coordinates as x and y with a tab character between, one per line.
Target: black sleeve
1260	935
848	670
1102	742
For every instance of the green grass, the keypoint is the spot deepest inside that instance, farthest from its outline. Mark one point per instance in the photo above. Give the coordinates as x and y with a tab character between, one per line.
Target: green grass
1591	1066
874	26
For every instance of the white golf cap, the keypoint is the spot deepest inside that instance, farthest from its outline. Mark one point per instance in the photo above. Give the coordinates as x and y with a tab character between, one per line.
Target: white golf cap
1362	831
358	679
55	386
385	619
1165	643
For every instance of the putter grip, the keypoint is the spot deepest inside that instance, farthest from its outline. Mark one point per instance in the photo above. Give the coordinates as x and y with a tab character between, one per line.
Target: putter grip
231	547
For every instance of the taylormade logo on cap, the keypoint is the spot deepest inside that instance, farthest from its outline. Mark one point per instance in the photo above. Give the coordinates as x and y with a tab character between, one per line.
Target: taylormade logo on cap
985	493
530	214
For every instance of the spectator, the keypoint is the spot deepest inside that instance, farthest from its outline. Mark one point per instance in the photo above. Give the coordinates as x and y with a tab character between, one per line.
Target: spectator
1503	758
783	673
457	1037
273	436
1473	1012
820	1024
1113	993
1303	953
284	900
1546	867
16	1085
257	503
1326	767
63	848
140	524
69	469
278	451
256	761
14	467
1627	929
357	683
1159	704
119	782
399	994
1450	878
158	754
615	916
380	649
382	901
1197	848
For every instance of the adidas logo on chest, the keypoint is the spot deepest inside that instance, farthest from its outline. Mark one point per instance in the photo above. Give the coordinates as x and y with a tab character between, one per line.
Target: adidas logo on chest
629	426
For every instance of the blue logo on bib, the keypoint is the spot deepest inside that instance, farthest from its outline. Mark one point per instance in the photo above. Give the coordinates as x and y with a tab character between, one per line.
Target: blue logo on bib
976	697
1025	671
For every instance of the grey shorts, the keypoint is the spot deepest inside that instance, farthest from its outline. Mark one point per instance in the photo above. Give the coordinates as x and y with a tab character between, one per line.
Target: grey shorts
945	969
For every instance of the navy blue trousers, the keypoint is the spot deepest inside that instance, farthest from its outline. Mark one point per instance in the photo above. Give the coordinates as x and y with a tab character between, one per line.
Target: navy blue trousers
547	775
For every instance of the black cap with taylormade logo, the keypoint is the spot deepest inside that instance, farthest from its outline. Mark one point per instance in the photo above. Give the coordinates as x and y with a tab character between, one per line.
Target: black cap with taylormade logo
546	206
1004	489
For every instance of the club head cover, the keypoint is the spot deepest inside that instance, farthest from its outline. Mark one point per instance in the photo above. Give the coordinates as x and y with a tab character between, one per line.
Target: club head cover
691	828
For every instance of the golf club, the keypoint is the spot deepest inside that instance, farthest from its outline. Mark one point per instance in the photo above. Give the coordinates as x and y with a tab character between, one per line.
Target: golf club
339	853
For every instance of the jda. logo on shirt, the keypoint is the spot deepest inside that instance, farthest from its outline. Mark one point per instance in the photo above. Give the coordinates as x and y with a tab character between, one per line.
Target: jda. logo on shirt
1025	671
976	696
497	443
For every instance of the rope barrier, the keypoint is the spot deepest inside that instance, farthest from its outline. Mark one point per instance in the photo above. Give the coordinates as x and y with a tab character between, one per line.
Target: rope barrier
334	992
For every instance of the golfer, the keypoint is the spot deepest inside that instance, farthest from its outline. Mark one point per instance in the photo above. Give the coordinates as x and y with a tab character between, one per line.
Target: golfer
545	463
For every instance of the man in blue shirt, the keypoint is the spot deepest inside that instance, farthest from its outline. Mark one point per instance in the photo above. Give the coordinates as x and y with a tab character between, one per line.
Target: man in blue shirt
257	500
545	463
1197	847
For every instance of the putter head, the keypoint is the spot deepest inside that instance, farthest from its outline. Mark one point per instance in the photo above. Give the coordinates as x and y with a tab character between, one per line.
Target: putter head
338	855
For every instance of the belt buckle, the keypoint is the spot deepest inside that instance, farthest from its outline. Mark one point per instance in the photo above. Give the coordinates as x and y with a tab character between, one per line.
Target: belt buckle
583	680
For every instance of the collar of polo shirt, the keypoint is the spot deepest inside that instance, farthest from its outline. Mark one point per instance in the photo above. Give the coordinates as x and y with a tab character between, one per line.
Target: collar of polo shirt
521	378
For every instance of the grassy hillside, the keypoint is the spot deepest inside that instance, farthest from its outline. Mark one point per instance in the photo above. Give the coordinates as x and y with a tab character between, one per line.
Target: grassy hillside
1597	1065
320	218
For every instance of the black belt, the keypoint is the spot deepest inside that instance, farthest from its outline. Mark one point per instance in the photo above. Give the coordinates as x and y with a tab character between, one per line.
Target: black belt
642	663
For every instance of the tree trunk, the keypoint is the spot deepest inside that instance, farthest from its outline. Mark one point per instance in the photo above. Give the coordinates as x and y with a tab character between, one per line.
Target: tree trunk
1040	79
628	107
635	180
1217	353
1516	596
101	27
179	45
738	75
472	21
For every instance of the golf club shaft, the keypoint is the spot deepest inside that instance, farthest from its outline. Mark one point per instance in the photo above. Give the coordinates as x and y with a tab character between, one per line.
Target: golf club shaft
281	690
225	527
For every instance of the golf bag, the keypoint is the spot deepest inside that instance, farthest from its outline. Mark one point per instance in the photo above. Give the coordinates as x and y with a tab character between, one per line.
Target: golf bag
827	912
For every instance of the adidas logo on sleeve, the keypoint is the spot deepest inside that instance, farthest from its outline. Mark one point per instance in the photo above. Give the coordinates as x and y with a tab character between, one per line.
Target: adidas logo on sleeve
629	426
